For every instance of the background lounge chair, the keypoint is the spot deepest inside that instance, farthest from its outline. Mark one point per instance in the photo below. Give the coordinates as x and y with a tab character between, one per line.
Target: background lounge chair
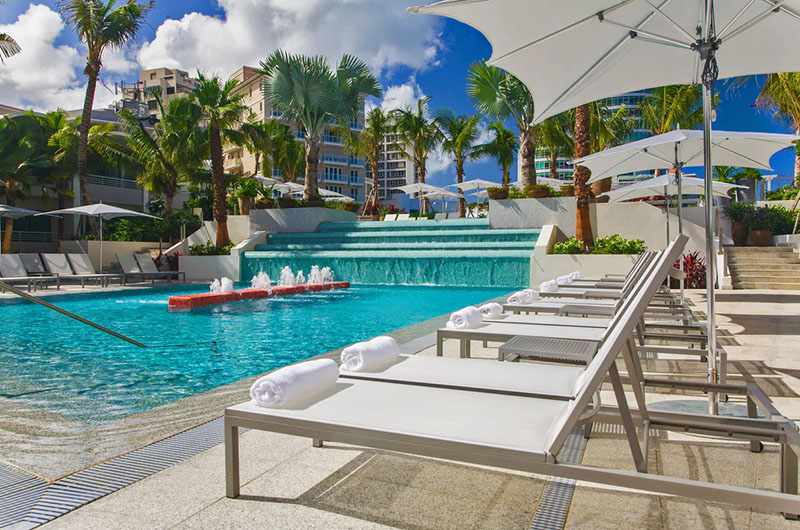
148	266
82	265
58	265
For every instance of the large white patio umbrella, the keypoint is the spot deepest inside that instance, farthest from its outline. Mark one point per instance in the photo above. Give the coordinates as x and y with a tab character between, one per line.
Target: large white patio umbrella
603	48
100	211
14	213
418	188
443	195
330	195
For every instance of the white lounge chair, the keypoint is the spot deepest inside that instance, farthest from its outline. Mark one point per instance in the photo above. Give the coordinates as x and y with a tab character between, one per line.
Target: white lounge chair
523	431
148	266
58	265
390	217
12	272
440	216
33	264
82	265
403	216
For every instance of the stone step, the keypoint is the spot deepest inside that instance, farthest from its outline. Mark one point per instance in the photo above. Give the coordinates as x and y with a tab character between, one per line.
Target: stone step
765	259
767	285
740	274
748	250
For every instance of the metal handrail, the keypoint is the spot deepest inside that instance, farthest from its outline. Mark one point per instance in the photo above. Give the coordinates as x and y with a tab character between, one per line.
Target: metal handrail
67	313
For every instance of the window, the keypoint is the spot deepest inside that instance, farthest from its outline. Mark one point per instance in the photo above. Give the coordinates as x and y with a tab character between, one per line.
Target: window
333	174
170	90
152	75
151	104
354	194
261	105
336	189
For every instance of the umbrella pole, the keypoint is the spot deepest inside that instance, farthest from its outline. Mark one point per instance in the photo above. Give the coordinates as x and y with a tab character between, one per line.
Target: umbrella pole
710	251
666	209
678	174
101	244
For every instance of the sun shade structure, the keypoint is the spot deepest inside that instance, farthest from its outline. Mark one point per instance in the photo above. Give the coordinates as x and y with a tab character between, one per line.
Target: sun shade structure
474	184
100	211
419	187
667	185
635	45
684	148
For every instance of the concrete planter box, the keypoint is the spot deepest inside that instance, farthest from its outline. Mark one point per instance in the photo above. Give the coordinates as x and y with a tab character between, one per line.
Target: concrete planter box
533	213
206	268
296	220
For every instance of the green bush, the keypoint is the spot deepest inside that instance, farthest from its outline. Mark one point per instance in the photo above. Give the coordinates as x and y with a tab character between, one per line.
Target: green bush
573	245
146	229
784	193
737	212
341	205
615	244
515	193
210	250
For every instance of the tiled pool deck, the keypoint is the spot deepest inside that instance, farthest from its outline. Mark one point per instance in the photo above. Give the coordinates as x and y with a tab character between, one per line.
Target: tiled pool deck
289	484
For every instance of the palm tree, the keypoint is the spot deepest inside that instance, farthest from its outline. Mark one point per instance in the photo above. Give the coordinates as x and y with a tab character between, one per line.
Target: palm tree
56	177
369	144
583	192
306	90
99	26
20	155
555	136
289	155
8	46
222	111
607	128
459	136
503	147
259	138
419	136
175	149
500	95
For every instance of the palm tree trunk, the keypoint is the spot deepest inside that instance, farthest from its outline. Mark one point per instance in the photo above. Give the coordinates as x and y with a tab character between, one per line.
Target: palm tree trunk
797	161
61	188
83	141
169	198
311	191
218	184
257	156
506	177
553	162
7	235
460	177
423	205
583	192
527	156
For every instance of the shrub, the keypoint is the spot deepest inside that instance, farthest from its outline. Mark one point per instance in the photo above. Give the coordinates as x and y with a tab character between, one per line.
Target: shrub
695	268
784	193
342	205
573	245
765	218
210	250
615	244
737	212
537	190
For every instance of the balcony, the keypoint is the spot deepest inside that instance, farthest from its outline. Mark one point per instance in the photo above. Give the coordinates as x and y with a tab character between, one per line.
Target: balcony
357	162
334	159
330	139
358	181
113	182
355	126
330	177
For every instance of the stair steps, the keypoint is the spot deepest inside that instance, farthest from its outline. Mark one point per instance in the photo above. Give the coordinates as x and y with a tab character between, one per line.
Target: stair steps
764	267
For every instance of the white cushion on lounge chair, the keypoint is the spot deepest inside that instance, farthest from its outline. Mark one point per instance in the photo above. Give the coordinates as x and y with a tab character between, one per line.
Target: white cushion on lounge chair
81	264
442	416
11	266
146	263
551	320
57	264
556	380
390	217
403	216
440	216
33	263
128	264
501	331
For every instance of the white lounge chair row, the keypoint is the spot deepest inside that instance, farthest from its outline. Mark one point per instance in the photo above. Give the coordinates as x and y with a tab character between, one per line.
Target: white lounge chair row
143	267
518	416
41	270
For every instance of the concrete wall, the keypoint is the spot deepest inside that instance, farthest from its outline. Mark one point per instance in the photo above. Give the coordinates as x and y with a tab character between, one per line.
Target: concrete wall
785	204
533	213
550	266
110	250
206	268
788	240
296	220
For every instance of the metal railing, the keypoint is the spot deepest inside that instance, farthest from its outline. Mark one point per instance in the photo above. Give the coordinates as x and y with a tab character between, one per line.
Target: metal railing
29	236
114	182
335	159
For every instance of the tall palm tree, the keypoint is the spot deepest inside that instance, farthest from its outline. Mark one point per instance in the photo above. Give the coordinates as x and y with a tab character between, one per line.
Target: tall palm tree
369	144
99	26
222	111
607	128
500	95
306	90
20	156
555	136
289	154
56	177
502	148
459	137
418	137
259	138
583	191
165	157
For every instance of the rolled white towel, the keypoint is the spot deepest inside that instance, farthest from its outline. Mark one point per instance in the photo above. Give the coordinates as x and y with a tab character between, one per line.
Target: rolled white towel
518	298
491	310
563	280
548	287
371	355
295	383
531	294
469	317
575	275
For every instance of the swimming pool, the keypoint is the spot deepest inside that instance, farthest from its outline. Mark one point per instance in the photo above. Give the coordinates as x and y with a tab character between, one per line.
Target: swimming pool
50	361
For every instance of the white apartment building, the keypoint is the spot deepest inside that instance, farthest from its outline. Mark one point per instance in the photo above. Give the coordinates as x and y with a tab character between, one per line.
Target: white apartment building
394	170
337	170
168	82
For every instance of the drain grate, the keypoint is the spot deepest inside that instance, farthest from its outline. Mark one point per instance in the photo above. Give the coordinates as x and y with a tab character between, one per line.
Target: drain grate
27	501
557	496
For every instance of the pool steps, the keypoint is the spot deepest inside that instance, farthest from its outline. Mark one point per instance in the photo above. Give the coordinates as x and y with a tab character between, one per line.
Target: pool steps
191	301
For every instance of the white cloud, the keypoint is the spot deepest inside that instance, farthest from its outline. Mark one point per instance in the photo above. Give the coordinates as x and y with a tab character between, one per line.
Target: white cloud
380	32
403	96
45	76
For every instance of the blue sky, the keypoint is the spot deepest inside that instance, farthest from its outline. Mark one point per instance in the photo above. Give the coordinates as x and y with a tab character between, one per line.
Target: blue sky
412	55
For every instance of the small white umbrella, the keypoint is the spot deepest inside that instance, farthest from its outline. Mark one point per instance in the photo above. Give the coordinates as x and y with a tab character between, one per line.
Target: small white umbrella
289	187
328	194
441	194
418	188
101	211
474	184
667	185
267	181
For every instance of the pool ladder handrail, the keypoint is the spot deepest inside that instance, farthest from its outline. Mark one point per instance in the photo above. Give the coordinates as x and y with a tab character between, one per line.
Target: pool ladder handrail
14	290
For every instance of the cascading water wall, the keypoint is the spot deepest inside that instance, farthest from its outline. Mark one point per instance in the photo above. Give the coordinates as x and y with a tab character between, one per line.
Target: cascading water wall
458	252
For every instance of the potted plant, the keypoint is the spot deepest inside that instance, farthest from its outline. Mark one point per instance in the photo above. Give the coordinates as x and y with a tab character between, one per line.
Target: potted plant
287	202
737	213
568	190
538	191
497	194
762	221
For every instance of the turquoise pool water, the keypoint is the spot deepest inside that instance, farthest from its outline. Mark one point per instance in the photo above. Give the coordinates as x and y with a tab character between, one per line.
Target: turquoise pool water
50	361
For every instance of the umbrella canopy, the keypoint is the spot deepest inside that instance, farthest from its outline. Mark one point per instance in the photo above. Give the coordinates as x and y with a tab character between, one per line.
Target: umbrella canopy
603	48
419	187
442	194
101	211
330	195
556	183
667	185
15	213
267	181
474	184
684	148
634	45
289	187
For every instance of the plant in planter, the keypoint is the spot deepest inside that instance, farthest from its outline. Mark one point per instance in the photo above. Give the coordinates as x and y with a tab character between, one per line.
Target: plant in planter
538	191
762	221
695	268
247	189
287	202
572	245
497	194
568	190
737	213
616	244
